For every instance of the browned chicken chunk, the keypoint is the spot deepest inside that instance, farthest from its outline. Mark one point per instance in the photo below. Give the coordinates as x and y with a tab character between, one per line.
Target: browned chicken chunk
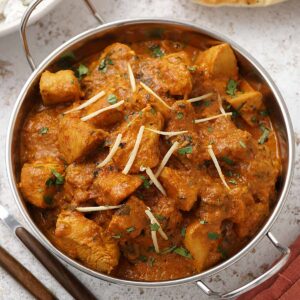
39	182
59	87
129	221
76	138
91	244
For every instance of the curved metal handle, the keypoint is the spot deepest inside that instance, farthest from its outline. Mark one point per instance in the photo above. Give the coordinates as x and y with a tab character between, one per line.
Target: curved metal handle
26	17
283	260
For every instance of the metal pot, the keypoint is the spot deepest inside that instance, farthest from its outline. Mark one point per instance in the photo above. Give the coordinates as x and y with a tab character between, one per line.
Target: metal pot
139	29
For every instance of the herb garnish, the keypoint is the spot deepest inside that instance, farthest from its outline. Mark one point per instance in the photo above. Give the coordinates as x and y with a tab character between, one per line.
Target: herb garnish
264	113
213	236
159	217
231	87
264	137
183	252
168	250
228	160
151	261
43	130
232	181
243	145
112	99
156	51
179	115
81	71
183	231
143	258
130	229
146	183
154	227
58	180
117	236
222	251
104	63
192	69
185	150
66	60
203	222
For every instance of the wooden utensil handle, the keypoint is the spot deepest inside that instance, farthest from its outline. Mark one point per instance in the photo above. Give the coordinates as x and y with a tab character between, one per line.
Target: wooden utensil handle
24	277
54	266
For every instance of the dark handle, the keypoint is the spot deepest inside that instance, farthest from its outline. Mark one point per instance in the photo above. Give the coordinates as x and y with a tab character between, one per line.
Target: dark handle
24	277
54	266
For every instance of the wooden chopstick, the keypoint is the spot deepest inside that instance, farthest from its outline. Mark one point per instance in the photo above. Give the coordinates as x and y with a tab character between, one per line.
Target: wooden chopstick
24	277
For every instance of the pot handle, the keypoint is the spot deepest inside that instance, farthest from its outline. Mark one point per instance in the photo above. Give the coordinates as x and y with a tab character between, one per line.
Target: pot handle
285	253
26	17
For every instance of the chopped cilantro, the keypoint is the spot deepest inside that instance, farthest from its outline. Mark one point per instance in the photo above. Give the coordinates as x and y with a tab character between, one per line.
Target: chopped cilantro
112	99
146	183
154	227
179	115
231	87
207	103
183	231
43	130
130	229
104	63
228	160
81	71
143	258
183	252
213	236
253	119
192	68
264	137
156	51
153	111
168	250
210	129
66	60
222	251
203	222
185	150
232	181
264	113
151	261
48	199
159	217
59	178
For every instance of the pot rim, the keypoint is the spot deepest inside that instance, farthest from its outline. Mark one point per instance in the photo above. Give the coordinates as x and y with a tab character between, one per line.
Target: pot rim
163	21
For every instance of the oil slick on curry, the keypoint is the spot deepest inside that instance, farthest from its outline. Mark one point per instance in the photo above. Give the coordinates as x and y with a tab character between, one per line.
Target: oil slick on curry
149	161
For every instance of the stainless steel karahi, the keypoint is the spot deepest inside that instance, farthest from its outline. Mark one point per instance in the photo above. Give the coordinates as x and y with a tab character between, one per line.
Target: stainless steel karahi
139	29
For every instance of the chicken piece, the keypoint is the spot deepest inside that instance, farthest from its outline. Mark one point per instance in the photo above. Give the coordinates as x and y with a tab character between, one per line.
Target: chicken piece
176	79
109	73
129	221
114	187
39	137
40	182
148	154
219	62
59	87
198	240
180	186
229	143
91	244
78	181
76	138
168	214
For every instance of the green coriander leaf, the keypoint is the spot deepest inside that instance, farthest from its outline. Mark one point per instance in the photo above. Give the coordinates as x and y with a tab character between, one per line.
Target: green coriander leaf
130	229
104	63
159	217
43	130
222	251
231	87
264	137
153	111
81	71
192	68
59	178
228	160
185	150
203	222
179	115
143	258
50	182
213	236
232	181
264	113
210	129
168	250
146	183
183	231
207	103
66	60
253	119
154	227
183	252
156	51
151	261
112	99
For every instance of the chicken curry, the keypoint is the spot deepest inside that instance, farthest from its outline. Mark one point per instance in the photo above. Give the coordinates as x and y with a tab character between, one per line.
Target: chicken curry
149	161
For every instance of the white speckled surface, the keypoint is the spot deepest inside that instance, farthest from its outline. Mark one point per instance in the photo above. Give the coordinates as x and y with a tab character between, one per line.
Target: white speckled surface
271	34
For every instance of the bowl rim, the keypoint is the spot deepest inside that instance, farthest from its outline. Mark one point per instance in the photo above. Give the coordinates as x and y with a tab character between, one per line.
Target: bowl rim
156	21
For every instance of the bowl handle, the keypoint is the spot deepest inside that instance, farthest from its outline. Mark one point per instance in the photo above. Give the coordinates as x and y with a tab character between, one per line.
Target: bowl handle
26	17
285	253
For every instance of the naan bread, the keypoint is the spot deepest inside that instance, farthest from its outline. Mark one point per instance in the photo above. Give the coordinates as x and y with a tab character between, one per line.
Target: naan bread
249	3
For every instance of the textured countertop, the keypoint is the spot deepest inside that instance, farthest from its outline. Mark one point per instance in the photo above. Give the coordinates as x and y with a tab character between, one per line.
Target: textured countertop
271	35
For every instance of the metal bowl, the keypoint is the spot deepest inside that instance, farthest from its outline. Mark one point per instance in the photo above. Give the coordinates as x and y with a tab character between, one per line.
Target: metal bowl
138	30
